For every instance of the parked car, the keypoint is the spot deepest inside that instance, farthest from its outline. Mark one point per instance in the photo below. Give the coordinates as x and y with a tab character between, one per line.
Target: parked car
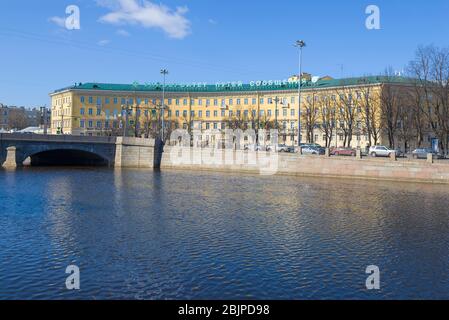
399	153
280	148
313	150
381	151
344	152
254	147
422	153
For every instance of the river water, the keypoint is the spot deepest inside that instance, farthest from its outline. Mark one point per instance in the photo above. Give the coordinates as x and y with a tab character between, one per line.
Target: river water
138	234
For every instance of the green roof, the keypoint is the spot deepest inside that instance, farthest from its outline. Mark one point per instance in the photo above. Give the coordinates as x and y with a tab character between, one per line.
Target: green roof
239	87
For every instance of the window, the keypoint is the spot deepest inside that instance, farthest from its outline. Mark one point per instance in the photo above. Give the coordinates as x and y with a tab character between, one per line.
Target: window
192	113
207	114
106	101
184	113
82	124
82	111
207	102
284	112
177	102
82	99
239	101
245	101
292	100
115	100
215	113
231	102
184	102
91	111
254	101
98	101
91	123
169	102
98	112
99	124
292	112
215	102
261	101
106	124
207	126
177	113
200	102
215	125
269	113
223	113
200	114
91	100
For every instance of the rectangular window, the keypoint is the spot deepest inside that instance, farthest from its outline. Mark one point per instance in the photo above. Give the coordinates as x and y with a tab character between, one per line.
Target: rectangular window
99	124
231	102
200	114
184	102
261	101
82	124
115	100
82	99
215	113
254	101
207	114
184	114
91	100
177	113
284	112
207	103
269	113
91	111
200	102
192	113
215	125
215	102
91	124
177	102
98	101
98	112
82	111
169	102
292	112
106	101
239	101
245	102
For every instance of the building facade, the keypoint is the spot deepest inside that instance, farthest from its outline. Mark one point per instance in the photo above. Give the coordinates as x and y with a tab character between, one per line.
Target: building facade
343	112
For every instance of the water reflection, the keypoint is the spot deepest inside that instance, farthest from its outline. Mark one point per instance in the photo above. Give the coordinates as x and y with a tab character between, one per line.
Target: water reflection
177	235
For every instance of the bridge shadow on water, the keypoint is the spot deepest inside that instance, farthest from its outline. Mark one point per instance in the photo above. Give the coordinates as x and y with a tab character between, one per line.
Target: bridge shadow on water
66	158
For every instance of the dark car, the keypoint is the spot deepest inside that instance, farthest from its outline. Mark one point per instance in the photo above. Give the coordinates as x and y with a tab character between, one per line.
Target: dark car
344	152
422	153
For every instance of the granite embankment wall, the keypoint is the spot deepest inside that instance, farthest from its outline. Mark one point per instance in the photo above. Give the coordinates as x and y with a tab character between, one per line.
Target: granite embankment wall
295	164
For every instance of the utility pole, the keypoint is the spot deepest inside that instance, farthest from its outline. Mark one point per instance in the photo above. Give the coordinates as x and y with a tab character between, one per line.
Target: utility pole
299	44
164	73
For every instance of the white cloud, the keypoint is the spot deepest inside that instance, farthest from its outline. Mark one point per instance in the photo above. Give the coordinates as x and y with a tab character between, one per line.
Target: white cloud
148	15
103	43
212	21
123	33
58	21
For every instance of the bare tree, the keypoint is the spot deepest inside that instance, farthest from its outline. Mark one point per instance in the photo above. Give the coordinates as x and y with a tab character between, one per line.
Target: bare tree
310	115
17	119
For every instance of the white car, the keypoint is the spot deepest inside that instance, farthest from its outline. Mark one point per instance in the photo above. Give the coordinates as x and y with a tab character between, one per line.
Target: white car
381	151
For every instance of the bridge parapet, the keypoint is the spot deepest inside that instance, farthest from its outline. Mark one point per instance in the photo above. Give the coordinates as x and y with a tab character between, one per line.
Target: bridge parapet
56	138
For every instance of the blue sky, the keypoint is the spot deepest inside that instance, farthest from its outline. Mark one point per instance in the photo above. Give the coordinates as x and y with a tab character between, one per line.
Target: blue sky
123	41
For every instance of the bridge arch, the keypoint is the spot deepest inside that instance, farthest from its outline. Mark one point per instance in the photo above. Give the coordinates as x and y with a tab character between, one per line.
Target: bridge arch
62	154
67	157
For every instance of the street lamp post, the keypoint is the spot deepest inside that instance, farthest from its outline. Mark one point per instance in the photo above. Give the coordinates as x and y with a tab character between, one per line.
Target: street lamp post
164	73
299	44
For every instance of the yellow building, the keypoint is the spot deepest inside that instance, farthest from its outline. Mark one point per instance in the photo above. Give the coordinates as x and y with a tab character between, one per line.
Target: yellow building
333	112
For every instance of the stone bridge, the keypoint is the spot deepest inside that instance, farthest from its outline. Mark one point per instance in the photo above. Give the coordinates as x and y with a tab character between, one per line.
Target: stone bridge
15	149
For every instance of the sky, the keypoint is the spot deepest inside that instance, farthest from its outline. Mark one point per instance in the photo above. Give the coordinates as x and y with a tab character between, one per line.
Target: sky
126	41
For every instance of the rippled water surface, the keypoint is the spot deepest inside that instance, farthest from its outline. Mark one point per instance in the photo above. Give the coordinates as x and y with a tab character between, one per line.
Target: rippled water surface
180	235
